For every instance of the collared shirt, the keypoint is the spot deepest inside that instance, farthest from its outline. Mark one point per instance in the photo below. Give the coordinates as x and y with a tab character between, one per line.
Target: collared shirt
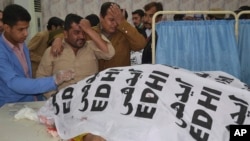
15	86
37	46
124	40
18	50
84	62
148	32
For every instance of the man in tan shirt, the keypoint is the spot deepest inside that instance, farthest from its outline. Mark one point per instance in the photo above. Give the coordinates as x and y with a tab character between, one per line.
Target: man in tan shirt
39	43
79	54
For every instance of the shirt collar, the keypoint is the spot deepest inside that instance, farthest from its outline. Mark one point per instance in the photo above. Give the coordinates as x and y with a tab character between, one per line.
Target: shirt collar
12	46
107	35
148	32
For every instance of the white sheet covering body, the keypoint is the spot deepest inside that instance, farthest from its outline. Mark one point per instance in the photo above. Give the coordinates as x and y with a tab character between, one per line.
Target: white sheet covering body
151	102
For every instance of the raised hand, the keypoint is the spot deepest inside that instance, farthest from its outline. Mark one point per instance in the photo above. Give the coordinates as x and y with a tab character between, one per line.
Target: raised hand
117	13
85	24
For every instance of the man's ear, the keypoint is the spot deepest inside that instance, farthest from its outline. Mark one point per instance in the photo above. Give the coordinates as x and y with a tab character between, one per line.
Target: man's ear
100	17
6	28
53	27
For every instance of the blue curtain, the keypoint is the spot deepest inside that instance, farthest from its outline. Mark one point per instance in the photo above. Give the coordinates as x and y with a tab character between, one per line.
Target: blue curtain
244	50
198	45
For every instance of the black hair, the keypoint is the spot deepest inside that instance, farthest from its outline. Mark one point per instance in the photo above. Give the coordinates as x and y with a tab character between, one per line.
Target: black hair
71	18
140	12
157	5
14	13
179	17
93	19
104	8
54	21
243	8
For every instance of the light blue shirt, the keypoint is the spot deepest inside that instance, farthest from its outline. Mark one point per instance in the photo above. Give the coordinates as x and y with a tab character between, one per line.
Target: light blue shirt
14	85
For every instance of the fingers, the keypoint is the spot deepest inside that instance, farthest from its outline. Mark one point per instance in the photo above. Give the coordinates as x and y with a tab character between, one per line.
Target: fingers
85	24
117	13
68	75
115	8
56	47
64	75
53	51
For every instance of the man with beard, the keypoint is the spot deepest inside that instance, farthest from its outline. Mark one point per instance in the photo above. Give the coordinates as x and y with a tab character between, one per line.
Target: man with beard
150	9
78	54
39	42
137	18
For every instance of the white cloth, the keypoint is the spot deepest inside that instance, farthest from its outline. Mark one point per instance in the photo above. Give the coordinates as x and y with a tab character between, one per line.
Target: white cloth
151	102
26	113
135	57
148	32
